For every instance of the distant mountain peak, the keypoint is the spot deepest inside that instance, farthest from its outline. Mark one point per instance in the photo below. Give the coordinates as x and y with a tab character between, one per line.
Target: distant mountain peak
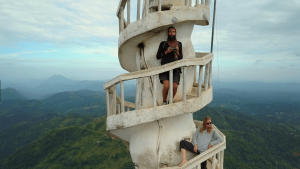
11	93
57	76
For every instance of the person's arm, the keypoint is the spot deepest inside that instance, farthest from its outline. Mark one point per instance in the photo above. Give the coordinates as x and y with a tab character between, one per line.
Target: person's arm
216	139
161	52
195	136
180	52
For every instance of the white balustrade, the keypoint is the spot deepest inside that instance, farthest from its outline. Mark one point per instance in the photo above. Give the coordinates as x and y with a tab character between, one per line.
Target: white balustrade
200	81
171	86
122	96
137	94
159	5
128	12
107	102
207	2
116	104
213	165
184	84
210	75
146	5
206	78
138	9
195	74
154	90
114	100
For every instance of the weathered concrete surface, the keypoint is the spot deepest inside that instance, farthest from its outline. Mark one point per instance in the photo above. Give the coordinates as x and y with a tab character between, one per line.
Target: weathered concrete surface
158	142
137	117
153	25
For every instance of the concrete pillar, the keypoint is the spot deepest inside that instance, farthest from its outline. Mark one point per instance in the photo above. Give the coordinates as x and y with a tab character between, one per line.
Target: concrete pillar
107	103
128	12
138	10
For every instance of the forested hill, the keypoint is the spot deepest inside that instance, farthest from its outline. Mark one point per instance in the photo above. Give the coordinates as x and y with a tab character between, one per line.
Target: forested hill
81	102
11	93
254	143
251	143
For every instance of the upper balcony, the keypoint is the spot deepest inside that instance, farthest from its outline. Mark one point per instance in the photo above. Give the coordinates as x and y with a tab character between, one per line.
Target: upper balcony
197	98
156	18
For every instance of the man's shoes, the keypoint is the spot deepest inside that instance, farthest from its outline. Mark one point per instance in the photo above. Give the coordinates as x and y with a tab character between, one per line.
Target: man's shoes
164	103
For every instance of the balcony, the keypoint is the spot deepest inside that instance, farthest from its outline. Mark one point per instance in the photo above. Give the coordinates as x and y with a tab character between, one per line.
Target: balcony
119	113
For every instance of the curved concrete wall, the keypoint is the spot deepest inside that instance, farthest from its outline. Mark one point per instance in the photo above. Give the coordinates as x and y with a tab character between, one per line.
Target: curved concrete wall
150	26
158	142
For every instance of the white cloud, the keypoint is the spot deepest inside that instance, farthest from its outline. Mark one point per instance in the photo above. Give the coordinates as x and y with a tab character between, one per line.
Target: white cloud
12	55
63	23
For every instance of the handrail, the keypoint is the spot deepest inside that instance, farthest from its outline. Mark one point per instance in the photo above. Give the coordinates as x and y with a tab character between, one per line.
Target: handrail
113	100
164	68
146	11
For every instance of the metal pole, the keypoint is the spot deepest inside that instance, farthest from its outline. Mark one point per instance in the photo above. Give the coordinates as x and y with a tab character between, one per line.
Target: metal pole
213	28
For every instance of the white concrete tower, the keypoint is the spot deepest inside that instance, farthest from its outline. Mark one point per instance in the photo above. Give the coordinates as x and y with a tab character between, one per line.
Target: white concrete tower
153	131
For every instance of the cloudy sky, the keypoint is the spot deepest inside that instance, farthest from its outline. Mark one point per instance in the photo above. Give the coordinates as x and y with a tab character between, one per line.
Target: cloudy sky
255	40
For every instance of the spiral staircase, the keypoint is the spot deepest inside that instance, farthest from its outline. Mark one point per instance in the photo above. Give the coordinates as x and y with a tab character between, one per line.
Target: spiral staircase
151	130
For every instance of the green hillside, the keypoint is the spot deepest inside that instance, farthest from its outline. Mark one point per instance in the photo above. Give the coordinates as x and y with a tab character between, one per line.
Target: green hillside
253	143
273	107
13	112
73	147
82	101
23	133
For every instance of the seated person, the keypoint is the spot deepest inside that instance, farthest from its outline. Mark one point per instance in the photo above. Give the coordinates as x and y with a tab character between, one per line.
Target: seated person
204	138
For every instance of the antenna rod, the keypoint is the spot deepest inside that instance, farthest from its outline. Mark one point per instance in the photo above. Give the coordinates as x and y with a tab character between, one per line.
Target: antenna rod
213	28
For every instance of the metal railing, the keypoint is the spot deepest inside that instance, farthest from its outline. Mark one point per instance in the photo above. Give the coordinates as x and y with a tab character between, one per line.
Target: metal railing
115	104
123	23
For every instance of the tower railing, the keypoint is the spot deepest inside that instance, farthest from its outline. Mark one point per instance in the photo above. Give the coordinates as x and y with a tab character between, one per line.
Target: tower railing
116	104
123	23
215	154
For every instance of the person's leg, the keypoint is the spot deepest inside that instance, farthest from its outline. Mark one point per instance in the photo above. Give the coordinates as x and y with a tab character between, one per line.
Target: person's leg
165	90
203	165
176	79
175	86
184	146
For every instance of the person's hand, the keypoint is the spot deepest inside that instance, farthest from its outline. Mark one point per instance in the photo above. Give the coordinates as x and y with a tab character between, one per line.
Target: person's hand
195	148
177	52
209	146
168	50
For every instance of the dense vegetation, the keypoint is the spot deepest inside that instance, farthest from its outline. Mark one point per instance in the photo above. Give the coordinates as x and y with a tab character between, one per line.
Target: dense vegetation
254	143
73	147
66	131
273	107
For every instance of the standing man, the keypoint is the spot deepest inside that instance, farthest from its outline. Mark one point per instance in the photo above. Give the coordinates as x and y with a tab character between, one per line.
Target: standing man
169	51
